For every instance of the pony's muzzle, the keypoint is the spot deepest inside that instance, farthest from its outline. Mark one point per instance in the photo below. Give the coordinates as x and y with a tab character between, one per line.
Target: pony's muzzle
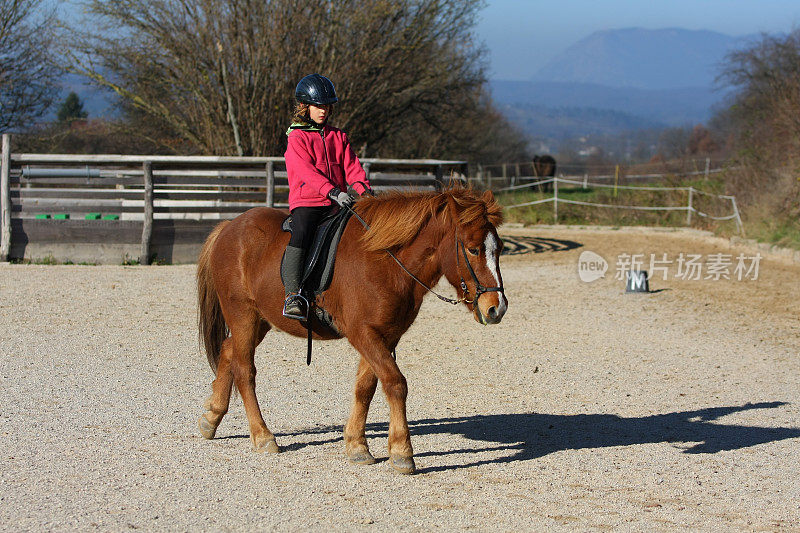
494	311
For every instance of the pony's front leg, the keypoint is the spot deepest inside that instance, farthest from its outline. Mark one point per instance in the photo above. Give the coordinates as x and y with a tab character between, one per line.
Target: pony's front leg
355	439
401	454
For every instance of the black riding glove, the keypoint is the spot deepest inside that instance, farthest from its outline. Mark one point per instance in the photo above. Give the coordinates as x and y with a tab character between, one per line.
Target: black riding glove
367	191
341	198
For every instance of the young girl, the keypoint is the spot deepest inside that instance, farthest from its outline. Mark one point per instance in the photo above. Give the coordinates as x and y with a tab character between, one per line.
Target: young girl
320	164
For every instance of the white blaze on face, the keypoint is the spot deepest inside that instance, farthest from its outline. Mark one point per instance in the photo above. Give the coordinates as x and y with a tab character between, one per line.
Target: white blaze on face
490	245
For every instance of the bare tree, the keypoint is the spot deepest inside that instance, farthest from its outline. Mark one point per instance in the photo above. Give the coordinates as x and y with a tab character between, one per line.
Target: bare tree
765	117
762	127
222	73
27	75
673	143
701	141
473	130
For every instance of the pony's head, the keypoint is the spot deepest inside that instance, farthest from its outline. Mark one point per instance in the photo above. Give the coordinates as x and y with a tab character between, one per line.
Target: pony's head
477	245
467	245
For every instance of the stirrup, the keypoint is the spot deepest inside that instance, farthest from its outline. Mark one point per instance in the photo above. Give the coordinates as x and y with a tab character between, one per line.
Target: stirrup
294	305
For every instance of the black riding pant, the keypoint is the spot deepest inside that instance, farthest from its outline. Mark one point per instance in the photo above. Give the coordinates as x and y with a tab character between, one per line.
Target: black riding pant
304	225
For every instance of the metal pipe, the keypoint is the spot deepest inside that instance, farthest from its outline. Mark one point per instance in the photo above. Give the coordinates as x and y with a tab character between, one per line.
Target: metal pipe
86	172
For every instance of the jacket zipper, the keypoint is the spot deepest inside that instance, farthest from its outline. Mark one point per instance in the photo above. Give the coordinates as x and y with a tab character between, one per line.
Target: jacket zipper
325	152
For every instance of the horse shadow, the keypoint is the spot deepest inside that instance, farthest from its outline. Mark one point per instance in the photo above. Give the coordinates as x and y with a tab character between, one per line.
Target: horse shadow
532	435
518	245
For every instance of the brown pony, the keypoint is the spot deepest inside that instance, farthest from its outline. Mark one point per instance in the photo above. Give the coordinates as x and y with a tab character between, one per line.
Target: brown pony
451	233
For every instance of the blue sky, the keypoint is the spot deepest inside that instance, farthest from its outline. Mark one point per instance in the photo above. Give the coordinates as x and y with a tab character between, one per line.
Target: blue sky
522	35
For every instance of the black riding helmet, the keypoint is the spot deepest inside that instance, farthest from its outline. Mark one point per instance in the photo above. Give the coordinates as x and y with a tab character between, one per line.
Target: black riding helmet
316	90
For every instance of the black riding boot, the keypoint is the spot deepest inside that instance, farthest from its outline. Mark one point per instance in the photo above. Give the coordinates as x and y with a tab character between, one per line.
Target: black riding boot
291	271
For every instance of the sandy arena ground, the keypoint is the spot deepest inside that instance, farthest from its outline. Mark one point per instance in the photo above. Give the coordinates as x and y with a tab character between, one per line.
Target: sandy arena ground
585	409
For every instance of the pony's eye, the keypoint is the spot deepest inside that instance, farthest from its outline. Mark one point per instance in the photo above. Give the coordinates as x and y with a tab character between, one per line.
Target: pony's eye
474	251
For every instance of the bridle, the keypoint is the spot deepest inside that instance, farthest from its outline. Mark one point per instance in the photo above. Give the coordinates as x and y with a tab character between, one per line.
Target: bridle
479	288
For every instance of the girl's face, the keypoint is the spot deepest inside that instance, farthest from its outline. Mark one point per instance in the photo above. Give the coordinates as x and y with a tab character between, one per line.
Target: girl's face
319	114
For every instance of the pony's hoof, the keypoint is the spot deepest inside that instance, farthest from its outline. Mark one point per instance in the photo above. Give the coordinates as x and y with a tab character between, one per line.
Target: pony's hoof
404	465
268	446
207	429
361	457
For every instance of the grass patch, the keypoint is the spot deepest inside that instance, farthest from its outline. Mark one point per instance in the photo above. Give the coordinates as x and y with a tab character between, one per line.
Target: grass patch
154	260
784	232
49	260
130	261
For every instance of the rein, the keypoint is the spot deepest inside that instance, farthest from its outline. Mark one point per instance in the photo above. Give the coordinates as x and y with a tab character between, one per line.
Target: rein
479	289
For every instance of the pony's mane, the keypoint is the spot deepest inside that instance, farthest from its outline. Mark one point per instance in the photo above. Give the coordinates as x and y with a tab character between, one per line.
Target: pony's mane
396	218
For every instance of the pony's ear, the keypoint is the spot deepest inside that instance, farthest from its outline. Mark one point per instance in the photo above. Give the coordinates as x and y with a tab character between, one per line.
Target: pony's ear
494	212
451	211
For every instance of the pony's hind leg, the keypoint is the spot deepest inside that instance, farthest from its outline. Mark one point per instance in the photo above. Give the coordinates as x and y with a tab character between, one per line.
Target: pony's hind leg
244	345
217	404
355	440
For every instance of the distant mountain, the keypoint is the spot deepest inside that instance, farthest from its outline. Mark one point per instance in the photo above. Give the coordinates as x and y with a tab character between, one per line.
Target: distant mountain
621	80
645	59
670	107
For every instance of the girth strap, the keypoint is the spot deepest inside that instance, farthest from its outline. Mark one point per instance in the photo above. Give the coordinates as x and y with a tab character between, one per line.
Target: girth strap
308	328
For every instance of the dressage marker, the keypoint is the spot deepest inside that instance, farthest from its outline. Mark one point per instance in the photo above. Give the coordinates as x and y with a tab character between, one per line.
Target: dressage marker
637	281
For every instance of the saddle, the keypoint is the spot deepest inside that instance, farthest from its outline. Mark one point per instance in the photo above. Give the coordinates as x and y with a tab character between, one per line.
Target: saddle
320	258
318	266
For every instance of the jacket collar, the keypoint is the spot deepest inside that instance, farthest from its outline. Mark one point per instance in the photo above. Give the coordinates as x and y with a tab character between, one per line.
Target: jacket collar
304	126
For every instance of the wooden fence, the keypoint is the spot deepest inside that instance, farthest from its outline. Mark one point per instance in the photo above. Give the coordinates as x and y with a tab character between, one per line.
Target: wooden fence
112	208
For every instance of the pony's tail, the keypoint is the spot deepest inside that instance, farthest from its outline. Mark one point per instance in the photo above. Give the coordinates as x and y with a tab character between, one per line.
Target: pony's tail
210	322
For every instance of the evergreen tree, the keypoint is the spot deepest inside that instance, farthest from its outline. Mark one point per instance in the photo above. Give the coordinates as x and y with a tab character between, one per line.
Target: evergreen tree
71	109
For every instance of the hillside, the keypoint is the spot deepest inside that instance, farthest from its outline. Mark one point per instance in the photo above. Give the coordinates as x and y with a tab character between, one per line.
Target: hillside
568	122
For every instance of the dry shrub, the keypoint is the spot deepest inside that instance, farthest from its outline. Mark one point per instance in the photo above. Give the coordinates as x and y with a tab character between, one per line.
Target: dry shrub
762	126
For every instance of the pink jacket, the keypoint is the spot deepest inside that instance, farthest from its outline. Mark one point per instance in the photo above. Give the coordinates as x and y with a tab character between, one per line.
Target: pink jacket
315	167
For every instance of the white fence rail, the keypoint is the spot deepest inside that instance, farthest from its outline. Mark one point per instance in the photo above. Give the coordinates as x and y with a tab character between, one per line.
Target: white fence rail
689	208
514	174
